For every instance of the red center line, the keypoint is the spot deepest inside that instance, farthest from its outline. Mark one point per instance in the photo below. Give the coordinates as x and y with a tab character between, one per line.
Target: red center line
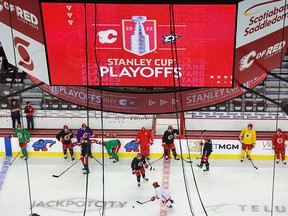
165	184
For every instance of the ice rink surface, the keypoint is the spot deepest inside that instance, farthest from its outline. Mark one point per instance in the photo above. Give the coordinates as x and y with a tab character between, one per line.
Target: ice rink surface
229	188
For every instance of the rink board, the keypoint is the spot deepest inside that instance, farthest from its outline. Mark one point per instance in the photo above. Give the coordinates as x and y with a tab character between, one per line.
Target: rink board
221	148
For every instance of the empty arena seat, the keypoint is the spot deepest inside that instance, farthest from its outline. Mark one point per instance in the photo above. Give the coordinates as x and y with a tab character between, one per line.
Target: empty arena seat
238	106
248	106
222	106
4	104
260	105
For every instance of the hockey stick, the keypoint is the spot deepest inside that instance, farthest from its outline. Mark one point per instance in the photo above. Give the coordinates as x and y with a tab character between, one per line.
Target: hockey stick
157	160
15	157
57	176
201	137
97	160
249	158
184	159
141	203
150	165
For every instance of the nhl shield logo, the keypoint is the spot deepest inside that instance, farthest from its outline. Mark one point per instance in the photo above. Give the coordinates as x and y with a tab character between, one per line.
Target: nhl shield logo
139	35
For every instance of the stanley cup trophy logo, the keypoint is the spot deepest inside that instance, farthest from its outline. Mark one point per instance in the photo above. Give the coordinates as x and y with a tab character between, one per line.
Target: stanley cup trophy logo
139	39
139	35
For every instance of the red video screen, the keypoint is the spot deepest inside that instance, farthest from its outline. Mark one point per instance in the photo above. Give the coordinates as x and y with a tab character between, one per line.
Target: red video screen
185	45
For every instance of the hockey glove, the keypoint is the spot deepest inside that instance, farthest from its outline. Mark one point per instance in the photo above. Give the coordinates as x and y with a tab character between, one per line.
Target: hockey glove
146	166
133	172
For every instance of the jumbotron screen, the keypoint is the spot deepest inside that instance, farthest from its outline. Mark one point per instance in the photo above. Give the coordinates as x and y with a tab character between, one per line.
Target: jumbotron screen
185	45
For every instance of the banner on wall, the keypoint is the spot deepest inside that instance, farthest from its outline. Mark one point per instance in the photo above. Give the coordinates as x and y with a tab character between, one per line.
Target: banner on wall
220	147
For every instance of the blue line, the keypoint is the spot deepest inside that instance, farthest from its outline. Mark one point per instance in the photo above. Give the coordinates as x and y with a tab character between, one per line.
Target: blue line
4	170
8	146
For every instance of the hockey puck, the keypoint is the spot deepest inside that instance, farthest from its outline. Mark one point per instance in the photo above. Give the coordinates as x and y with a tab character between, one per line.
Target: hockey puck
153	168
133	206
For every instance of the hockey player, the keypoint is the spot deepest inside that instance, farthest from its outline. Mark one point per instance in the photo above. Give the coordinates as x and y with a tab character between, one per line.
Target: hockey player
64	136
84	154
248	139
112	147
85	132
23	138
138	166
163	194
145	138
168	142
207	150
278	144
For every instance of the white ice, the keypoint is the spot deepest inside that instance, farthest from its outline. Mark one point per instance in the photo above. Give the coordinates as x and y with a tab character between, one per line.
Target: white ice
229	188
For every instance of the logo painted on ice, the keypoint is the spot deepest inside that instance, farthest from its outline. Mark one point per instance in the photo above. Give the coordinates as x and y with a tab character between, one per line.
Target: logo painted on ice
75	205
139	35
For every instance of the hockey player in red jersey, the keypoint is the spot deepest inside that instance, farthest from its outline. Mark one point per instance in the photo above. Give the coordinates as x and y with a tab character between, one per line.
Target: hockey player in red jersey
64	136
145	138
278	144
138	166
168	142
207	150
163	194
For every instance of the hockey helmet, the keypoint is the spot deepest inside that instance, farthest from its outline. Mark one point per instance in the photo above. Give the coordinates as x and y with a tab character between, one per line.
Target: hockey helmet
65	127
250	125
143	128
139	155
170	127
207	138
84	125
279	130
18	126
155	184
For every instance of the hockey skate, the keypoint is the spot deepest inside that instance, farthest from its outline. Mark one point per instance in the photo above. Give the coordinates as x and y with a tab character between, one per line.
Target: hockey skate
200	165
115	161
146	179
139	184
248	157
176	157
206	170
86	171
171	201
284	162
169	206
277	160
166	157
242	159
72	158
26	157
22	156
65	156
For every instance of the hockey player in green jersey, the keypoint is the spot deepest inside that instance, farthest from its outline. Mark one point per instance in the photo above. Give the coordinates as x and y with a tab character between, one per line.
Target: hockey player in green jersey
24	138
